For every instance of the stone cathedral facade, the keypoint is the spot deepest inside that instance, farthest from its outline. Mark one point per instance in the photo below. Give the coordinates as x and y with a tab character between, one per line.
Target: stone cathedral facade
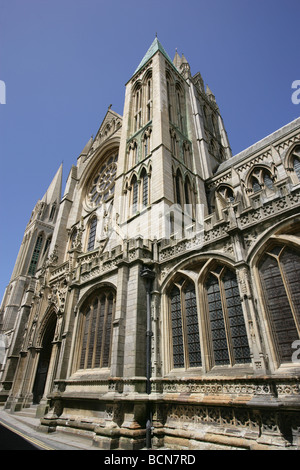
157	301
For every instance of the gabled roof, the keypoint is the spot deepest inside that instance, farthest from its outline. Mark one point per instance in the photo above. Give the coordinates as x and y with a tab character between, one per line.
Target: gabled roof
109	117
155	46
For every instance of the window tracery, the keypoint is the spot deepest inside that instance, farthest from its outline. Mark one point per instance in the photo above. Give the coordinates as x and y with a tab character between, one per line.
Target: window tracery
185	328
226	194
227	325
218	319
103	184
279	272
96	330
261	178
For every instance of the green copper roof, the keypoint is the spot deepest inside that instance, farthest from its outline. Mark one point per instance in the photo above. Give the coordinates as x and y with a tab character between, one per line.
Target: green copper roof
155	46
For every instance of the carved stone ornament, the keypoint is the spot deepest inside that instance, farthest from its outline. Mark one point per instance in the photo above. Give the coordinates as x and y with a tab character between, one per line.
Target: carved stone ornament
57	296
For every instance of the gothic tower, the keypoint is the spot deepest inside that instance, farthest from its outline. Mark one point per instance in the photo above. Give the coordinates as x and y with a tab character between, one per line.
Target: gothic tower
173	138
31	259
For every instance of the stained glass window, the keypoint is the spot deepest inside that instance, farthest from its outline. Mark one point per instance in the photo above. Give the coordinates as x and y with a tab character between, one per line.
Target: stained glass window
103	184
185	326
227	324
217	324
280	277
176	320
96	331
192	327
236	319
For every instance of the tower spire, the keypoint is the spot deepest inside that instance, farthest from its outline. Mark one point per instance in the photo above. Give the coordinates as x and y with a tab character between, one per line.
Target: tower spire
53	193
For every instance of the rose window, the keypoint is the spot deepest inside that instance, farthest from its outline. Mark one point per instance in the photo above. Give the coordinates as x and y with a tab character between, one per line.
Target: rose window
103	184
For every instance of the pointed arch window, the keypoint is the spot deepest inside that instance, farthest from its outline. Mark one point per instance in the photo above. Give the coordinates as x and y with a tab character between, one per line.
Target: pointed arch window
149	99
135	194
52	212
96	330
216	334
145	188
179	106
35	255
185	327
132	154
226	194
138	108
92	234
170	108
178	188
47	244
279	272
188	197
229	342
260	179
187	191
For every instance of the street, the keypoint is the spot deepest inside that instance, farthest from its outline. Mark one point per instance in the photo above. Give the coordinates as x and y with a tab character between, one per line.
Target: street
13	439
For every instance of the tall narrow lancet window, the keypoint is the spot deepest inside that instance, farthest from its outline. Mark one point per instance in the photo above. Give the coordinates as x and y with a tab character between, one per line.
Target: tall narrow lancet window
35	255
188	197
145	187
149	100
135	194
185	326
279	272
92	234
47	244
170	109
96	330
192	326
226	321
179	105
176	321
138	108
52	212
178	188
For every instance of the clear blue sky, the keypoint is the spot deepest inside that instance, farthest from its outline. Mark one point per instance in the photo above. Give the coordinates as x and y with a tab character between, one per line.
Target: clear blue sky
65	61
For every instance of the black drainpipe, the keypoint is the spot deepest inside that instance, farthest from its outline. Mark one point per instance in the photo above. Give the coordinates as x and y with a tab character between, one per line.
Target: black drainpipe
148	275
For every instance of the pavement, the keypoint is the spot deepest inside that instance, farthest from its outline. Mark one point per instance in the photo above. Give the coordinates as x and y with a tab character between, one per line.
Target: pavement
25	425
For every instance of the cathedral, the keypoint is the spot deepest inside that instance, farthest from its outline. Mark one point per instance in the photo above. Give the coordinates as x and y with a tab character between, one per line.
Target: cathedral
155	304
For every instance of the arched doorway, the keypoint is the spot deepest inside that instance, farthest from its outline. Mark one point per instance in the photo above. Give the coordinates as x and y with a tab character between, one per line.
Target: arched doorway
44	361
